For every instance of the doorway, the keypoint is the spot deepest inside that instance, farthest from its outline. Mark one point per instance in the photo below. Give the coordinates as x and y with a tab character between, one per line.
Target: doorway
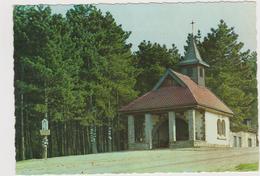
161	134
182	130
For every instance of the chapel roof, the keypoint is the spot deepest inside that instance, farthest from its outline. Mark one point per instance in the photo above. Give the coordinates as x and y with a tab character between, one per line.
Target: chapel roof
188	94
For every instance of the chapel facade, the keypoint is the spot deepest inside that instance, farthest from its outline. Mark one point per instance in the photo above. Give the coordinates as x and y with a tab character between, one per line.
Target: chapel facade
180	111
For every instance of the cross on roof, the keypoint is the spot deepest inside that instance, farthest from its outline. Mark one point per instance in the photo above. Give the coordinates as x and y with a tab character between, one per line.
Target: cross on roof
192	24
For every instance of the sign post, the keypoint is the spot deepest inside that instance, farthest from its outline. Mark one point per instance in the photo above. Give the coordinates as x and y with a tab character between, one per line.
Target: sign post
45	132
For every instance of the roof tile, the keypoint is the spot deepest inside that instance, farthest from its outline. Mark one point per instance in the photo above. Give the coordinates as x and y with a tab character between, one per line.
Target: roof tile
177	96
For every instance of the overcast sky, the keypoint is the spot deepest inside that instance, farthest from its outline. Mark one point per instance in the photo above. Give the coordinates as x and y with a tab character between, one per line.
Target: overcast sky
170	22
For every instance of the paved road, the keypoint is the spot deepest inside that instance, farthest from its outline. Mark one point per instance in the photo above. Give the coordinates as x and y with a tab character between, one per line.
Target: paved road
165	160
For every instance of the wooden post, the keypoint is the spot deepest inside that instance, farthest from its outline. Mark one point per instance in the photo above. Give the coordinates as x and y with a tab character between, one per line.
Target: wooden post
45	148
45	132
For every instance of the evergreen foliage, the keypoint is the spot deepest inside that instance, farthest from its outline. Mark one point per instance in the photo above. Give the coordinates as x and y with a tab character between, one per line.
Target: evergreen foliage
232	72
152	60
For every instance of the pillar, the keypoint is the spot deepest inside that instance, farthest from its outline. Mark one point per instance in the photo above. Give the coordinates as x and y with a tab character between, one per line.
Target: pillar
191	118
148	129
131	129
172	126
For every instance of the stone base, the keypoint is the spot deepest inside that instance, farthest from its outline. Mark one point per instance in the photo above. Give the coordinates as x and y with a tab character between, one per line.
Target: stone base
138	146
205	144
176	144
181	144
188	144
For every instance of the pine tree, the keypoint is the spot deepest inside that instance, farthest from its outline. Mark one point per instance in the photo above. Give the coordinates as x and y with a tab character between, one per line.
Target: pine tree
229	74
152	60
107	75
51	67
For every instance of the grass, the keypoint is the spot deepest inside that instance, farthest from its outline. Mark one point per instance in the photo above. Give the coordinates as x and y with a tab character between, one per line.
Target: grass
247	167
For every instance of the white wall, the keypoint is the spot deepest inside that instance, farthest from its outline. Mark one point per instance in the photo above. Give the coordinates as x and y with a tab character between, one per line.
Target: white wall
211	129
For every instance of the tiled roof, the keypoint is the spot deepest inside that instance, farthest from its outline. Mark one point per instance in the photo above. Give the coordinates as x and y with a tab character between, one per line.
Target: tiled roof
176	97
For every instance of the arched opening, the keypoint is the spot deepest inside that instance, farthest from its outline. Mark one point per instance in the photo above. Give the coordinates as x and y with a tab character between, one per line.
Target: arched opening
182	130
161	134
223	128
219	127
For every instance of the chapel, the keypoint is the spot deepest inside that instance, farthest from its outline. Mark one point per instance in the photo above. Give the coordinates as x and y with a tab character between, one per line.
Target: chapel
180	111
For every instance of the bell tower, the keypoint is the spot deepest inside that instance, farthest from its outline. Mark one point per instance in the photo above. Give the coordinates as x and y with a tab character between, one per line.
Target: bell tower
192	65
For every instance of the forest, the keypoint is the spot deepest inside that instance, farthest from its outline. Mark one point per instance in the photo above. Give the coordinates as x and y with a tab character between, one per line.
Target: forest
78	69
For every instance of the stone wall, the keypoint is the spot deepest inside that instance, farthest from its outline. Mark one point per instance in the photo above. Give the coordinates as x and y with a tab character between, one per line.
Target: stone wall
197	143
181	144
199	126
244	137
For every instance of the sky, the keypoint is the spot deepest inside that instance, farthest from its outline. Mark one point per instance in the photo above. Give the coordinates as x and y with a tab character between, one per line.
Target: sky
169	23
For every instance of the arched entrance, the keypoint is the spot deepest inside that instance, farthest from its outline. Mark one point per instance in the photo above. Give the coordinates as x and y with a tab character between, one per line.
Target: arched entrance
161	134
182	130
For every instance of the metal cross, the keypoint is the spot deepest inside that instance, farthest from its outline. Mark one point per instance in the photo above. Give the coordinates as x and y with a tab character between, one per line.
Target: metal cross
192	24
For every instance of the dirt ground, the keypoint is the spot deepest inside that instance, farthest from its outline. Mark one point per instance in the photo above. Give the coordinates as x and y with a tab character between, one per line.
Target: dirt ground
163	160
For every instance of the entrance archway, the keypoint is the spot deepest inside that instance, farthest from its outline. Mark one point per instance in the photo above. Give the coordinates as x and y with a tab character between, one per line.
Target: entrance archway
161	134
182	130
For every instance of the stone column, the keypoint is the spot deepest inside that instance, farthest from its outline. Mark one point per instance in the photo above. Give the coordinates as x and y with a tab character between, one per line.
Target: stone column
191	118
148	129
172	126
131	130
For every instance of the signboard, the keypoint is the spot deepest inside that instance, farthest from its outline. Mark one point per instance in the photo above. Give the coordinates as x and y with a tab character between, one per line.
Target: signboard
45	128
45	124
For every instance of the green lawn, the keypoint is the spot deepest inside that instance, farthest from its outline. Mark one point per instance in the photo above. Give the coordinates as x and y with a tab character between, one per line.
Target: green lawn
247	167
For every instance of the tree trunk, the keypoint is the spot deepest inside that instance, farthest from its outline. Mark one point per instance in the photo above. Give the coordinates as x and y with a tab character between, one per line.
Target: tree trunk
88	140
65	141
22	129
109	138
93	136
83	141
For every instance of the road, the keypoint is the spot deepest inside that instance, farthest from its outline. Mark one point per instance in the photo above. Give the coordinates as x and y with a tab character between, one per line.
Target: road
164	160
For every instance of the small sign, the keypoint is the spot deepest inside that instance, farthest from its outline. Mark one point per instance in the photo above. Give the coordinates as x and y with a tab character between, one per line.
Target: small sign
45	124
